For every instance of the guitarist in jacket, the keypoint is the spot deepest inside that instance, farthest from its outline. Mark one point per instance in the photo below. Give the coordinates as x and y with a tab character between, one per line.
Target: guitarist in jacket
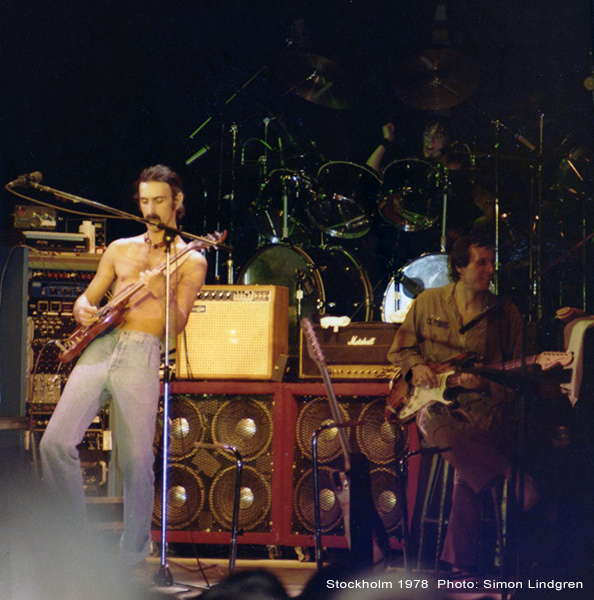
123	362
431	334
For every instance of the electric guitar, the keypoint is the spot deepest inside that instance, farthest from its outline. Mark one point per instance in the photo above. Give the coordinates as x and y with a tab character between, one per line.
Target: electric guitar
112	313
363	525
405	400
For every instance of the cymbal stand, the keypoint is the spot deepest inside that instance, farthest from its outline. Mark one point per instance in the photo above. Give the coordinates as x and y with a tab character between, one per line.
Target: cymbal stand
499	125
535	312
444	213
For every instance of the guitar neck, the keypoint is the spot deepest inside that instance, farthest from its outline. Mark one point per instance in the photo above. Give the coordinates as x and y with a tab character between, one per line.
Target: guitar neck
128	292
337	416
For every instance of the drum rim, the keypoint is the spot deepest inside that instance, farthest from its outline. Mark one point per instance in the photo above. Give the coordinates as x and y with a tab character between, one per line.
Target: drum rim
310	263
365	168
363	275
392	279
362	272
411	159
400	222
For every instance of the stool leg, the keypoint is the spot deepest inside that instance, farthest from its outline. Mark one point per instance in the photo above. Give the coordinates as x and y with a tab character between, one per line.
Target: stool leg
441	519
435	467
33	446
499	554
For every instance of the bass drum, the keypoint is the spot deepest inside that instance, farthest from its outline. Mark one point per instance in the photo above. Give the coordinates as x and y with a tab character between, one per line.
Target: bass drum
427	271
411	197
321	280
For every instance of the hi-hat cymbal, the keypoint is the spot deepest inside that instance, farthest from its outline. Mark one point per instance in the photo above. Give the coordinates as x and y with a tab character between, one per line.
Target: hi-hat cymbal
316	79
435	79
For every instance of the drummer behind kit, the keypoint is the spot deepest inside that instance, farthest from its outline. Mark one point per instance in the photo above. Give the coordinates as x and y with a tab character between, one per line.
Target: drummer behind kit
344	198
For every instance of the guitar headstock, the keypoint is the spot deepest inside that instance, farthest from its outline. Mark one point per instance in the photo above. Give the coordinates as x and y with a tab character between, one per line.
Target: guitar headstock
313	345
550	360
209	241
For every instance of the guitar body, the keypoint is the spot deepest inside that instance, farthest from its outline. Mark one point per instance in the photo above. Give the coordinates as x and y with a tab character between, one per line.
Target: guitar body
83	336
405	400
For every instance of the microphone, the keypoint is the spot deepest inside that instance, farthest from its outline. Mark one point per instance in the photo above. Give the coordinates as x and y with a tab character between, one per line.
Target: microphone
410	285
26	179
198	154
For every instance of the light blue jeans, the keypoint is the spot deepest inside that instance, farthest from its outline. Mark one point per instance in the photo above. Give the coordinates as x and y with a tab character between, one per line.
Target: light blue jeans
124	366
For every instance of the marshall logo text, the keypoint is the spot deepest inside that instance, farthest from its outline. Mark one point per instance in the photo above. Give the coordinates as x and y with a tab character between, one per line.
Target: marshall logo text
357	341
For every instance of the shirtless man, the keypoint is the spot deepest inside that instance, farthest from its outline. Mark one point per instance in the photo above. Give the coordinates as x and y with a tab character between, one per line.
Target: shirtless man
123	362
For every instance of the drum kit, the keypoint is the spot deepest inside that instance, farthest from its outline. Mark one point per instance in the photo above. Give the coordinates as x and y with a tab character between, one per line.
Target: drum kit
343	199
302	218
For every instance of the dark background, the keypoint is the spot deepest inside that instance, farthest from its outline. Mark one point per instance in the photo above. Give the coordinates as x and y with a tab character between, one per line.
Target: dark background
95	91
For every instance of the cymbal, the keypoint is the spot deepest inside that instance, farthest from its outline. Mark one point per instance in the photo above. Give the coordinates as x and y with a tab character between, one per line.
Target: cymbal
316	79
435	79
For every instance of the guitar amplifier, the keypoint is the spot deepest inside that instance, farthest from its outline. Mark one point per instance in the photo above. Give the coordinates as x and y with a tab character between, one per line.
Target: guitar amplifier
234	332
357	351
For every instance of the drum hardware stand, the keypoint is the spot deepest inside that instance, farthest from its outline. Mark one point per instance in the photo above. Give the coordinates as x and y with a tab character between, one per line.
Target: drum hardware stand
401	496
163	576
444	213
499	124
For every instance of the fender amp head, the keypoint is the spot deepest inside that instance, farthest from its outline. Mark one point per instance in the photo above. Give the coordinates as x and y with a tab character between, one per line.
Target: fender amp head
357	351
234	332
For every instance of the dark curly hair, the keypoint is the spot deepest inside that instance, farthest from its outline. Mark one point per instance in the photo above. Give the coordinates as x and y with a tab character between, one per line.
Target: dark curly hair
460	254
166	175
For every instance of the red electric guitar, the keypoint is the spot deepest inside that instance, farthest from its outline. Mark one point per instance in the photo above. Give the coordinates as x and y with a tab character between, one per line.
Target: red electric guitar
113	312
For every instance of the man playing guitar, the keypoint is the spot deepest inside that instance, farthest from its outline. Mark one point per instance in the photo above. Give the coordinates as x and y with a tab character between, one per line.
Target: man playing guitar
434	332
122	363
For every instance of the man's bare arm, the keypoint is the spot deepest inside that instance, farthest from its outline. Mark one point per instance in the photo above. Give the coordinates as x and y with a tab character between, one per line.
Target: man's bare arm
85	307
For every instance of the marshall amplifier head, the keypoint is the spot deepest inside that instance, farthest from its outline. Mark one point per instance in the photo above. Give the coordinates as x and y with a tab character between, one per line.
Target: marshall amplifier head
357	351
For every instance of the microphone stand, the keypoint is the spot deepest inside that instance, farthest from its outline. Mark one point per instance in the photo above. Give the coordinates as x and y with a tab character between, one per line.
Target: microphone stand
129	216
163	575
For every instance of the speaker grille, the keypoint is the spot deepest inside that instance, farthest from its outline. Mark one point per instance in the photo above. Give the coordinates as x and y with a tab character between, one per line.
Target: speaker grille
234	332
303	501
255	498
185	497
384	492
186	428
379	440
244	423
204	478
313	415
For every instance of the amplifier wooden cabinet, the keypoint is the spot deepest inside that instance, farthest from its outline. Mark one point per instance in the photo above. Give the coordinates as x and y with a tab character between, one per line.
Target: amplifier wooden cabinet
234	332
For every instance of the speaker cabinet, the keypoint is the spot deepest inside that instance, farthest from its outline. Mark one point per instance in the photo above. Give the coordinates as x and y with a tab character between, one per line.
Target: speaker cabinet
271	424
234	332
201	481
379	441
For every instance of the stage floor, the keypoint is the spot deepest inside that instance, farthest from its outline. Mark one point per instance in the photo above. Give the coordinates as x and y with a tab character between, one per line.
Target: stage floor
189	581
